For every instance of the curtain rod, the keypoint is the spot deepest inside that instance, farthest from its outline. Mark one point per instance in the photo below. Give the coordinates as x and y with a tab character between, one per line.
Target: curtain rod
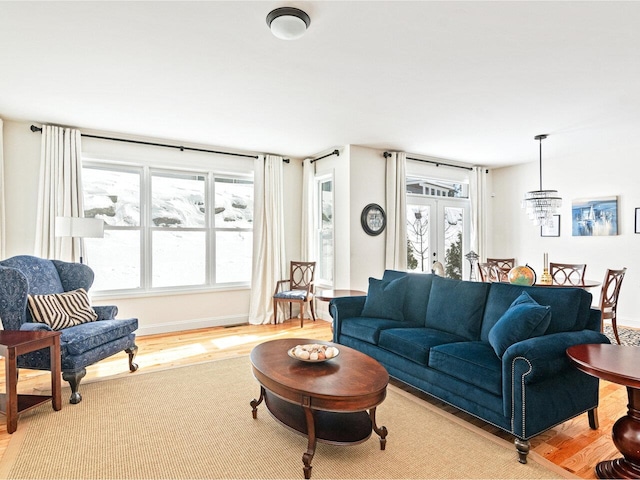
335	152
437	164
153	144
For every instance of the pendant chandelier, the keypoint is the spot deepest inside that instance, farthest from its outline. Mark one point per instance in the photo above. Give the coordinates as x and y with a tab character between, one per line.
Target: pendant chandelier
541	205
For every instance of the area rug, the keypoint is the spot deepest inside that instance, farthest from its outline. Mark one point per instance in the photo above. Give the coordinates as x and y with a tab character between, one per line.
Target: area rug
628	336
195	422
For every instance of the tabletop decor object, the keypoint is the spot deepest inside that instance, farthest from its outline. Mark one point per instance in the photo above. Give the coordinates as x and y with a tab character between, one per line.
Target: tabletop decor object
522	275
545	278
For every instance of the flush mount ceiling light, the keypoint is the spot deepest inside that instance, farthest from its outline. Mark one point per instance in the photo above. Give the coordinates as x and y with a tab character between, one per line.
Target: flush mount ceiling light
288	23
541	204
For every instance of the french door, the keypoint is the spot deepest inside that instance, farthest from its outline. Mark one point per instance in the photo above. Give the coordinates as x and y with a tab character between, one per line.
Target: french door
438	230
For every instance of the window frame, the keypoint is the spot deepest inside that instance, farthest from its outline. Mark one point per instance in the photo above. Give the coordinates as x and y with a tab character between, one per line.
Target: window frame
147	228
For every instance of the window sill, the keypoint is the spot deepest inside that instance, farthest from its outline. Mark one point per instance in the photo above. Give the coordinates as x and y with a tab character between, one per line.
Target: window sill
164	292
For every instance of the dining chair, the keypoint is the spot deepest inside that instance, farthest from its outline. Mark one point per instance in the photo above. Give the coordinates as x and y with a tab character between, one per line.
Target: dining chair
488	272
609	298
567	273
300	290
503	263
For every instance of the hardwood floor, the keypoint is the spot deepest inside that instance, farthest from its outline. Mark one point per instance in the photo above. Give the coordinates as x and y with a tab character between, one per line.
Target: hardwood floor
572	445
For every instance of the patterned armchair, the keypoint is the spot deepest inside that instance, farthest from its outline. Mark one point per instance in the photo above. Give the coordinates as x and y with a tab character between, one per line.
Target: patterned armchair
80	345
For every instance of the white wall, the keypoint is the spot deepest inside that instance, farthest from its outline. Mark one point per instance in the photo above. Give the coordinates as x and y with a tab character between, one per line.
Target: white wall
367	185
575	174
156	313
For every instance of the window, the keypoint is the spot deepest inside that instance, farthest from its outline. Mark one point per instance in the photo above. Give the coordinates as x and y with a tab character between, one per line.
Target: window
168	229
324	221
438	225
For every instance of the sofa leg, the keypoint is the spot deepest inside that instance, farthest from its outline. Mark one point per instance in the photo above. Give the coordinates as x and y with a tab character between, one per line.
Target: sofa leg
522	446
593	418
132	354
74	381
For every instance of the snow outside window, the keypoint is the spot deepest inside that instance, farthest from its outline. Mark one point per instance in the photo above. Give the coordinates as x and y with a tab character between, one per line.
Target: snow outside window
168	229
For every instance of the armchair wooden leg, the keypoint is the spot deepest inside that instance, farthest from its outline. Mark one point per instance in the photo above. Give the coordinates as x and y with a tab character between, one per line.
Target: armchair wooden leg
132	354
74	381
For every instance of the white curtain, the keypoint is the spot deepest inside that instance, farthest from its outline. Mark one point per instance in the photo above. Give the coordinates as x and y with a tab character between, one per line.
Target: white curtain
478	198
269	258
2	199
396	208
307	226
60	191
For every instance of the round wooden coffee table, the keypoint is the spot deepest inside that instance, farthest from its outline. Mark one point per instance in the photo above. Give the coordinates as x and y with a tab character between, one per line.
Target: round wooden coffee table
617	364
333	401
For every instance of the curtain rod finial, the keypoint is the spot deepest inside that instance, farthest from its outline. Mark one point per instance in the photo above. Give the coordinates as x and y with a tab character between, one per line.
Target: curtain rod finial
35	129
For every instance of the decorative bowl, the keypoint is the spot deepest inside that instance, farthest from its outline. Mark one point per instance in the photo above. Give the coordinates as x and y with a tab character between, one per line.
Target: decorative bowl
310	349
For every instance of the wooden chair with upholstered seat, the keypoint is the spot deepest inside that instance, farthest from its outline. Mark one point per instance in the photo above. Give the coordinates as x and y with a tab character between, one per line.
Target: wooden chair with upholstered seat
300	290
609	298
567	273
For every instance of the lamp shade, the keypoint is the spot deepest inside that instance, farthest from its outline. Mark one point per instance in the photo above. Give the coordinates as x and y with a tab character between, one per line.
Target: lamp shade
79	227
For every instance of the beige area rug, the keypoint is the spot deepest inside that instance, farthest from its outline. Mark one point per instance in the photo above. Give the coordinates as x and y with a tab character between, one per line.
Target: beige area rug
195	422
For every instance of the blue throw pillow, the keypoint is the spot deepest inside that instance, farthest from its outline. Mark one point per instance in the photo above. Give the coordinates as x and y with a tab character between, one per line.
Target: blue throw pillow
385	299
525	318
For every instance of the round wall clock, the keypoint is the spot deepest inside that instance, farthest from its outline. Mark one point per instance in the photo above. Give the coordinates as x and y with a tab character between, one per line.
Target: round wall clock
373	219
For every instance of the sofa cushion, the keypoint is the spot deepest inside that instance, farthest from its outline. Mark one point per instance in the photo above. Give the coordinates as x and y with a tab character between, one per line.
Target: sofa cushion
62	310
457	307
569	306
367	329
82	338
385	299
414	343
417	294
524	319
472	362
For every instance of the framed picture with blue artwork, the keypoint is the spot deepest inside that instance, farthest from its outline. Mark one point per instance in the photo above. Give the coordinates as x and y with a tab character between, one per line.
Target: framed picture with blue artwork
594	217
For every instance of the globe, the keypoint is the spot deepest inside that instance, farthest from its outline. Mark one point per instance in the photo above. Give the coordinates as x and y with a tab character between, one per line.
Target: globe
522	275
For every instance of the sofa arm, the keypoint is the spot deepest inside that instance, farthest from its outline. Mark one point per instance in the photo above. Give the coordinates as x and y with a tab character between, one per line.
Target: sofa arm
106	312
35	326
344	307
539	358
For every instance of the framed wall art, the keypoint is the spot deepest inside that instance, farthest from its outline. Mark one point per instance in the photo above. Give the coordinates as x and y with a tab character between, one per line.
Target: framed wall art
552	230
594	217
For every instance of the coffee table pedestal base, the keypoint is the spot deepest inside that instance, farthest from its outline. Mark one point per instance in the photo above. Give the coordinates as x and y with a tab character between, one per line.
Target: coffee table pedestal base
337	428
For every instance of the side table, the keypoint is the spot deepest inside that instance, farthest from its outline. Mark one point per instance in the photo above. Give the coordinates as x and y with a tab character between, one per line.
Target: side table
617	364
18	342
328	294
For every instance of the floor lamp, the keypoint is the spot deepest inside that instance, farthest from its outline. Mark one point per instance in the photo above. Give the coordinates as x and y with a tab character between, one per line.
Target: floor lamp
79	227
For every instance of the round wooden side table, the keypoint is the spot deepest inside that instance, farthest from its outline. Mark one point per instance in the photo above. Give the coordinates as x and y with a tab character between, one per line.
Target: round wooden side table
618	364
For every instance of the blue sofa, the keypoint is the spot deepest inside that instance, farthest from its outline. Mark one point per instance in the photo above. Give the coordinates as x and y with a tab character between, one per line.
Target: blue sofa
80	345
494	350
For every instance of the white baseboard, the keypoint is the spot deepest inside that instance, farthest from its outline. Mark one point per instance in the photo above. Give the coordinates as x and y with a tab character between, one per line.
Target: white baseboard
191	324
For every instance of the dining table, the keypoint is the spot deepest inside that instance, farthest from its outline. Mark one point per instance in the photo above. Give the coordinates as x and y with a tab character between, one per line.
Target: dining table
586	284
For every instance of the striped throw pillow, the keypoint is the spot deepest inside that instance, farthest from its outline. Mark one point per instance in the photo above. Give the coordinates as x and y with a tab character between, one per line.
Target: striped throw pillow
62	310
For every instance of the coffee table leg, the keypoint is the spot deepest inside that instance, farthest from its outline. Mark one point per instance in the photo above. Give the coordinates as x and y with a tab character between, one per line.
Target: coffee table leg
626	433
381	431
254	403
311	445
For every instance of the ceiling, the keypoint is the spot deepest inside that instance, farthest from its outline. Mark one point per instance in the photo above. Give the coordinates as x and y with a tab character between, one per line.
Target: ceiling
466	81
